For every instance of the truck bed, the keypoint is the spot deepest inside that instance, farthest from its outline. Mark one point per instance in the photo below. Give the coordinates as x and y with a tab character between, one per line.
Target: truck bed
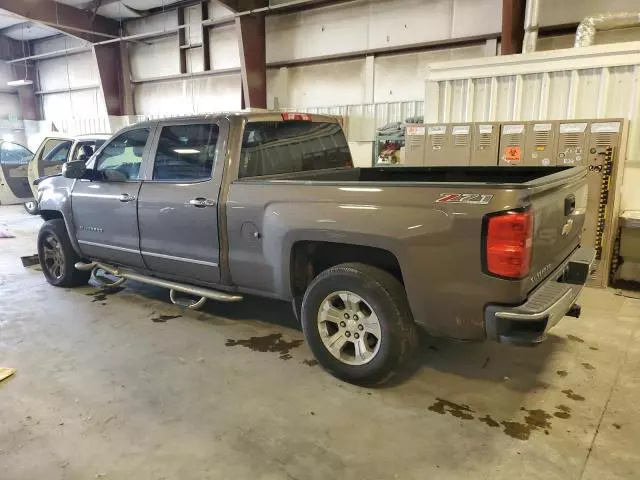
475	175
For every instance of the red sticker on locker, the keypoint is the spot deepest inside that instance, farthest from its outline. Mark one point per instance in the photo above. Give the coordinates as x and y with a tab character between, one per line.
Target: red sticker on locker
512	154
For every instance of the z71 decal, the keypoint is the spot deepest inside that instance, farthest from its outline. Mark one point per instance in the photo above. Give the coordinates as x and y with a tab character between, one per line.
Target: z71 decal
471	198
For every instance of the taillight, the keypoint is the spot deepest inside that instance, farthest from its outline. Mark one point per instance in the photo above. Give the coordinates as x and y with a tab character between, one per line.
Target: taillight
508	244
296	116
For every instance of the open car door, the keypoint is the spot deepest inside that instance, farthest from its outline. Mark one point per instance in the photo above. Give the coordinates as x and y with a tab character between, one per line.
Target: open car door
14	184
48	159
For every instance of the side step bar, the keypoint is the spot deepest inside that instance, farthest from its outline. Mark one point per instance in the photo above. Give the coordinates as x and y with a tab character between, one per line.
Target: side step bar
203	293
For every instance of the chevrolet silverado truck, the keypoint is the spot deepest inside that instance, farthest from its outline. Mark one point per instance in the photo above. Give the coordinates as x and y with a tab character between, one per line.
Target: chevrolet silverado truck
270	204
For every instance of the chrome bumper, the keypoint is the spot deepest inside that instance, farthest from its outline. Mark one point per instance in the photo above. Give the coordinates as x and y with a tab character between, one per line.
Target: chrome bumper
527	324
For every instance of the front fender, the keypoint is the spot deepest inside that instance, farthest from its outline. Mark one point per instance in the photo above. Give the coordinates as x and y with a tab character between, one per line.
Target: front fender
54	195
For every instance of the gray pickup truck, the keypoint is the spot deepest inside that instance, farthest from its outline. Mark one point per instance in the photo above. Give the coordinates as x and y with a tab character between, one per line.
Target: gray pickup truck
215	207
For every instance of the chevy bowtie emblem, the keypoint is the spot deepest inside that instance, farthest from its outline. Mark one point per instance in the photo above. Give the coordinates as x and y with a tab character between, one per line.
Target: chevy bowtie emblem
566	228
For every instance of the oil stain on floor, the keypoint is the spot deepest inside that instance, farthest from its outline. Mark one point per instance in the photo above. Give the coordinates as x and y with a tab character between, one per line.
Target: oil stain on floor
101	295
268	343
164	318
573	396
535	419
442	406
563	412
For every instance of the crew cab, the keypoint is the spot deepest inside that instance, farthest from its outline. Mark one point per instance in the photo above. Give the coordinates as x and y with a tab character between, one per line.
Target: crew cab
270	204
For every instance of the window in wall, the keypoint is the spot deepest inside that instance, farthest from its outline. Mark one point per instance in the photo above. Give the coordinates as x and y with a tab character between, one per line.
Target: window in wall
121	159
269	148
186	152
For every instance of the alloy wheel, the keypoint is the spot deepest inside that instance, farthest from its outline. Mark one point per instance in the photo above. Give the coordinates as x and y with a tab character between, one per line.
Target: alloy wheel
349	328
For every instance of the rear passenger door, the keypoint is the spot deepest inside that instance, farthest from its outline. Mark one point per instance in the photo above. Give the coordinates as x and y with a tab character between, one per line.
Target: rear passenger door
178	206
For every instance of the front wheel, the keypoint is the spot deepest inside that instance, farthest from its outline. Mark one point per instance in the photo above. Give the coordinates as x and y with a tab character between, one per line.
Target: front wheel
57	256
358	324
32	207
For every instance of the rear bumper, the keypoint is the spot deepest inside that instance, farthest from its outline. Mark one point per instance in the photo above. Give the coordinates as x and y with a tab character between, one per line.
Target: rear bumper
528	324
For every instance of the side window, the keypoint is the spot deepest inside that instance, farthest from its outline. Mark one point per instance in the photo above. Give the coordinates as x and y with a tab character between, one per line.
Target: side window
85	149
270	148
186	152
14	154
121	159
56	151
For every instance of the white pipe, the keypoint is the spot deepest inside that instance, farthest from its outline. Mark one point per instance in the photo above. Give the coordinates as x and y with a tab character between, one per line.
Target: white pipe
532	13
586	32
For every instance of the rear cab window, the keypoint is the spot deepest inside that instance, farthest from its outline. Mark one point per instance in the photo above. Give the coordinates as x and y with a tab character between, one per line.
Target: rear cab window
277	147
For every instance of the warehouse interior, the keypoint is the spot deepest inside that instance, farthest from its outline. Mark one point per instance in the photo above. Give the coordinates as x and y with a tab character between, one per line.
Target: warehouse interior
124	382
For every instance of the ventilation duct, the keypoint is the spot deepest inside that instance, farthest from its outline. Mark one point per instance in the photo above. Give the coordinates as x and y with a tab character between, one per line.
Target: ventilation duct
586	32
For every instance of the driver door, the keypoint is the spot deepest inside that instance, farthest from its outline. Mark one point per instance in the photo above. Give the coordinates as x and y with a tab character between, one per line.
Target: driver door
105	207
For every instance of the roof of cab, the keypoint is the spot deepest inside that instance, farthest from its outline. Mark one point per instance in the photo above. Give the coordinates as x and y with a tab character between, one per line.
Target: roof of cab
86	136
254	115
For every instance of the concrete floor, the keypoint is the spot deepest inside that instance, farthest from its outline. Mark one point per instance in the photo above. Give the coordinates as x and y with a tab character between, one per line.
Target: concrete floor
128	386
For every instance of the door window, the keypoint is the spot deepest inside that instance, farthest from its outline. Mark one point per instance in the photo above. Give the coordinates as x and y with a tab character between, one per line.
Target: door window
56	151
120	160
14	154
186	152
85	149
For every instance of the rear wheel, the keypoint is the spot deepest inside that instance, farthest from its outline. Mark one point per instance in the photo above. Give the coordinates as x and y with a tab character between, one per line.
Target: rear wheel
57	256
32	207
357	322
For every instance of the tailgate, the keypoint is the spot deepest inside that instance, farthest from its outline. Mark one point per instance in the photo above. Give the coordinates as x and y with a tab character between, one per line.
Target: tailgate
559	215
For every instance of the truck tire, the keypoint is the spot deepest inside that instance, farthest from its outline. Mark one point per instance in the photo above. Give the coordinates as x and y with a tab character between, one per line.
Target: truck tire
57	256
31	207
357	321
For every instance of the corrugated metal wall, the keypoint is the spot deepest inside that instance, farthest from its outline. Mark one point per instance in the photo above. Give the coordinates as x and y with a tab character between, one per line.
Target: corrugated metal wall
599	81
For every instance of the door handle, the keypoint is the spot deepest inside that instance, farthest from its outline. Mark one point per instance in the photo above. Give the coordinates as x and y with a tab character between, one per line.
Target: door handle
200	202
125	197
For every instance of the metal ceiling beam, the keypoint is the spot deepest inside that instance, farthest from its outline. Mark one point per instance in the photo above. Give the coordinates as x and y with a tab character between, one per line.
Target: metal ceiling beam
15	26
513	12
244	5
113	69
251	40
64	18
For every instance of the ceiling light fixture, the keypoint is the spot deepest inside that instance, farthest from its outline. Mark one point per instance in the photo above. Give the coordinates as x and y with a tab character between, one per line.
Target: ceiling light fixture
23	82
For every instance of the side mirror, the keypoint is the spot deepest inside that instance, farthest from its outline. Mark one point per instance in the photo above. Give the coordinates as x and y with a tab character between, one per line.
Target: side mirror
74	169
